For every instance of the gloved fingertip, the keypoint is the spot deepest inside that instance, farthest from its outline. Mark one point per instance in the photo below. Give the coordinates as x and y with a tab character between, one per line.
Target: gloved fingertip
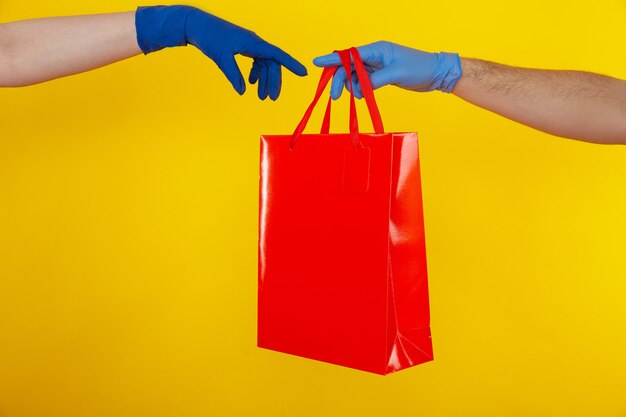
263	94
255	72
253	77
358	93
299	69
229	67
240	87
327	60
274	93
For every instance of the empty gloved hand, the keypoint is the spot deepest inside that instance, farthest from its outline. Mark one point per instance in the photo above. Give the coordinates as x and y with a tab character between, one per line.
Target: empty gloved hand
159	27
390	63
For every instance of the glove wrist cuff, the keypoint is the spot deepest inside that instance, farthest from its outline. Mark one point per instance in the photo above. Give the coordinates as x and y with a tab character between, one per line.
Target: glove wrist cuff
161	27
449	71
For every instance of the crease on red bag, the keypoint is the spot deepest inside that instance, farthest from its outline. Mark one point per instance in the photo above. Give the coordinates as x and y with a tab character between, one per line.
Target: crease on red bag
399	358
263	212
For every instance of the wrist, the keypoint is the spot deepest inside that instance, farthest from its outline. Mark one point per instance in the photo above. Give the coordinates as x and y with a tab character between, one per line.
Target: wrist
161	27
448	71
473	72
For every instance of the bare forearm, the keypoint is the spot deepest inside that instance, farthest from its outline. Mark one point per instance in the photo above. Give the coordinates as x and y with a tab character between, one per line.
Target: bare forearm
572	104
38	50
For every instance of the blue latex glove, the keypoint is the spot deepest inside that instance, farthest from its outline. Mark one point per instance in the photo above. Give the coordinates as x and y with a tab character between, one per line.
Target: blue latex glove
159	27
389	63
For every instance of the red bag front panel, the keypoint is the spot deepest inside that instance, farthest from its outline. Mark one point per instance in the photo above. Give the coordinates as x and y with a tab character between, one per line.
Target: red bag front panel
323	260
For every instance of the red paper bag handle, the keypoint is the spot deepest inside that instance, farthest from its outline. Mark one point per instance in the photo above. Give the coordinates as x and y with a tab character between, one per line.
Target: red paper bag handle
368	91
354	122
368	94
327	75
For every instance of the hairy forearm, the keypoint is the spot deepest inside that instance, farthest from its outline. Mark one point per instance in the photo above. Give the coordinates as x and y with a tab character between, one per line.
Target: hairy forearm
33	51
572	104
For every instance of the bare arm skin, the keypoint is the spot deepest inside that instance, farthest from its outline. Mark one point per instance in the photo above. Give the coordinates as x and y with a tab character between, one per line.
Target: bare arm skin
572	104
33	51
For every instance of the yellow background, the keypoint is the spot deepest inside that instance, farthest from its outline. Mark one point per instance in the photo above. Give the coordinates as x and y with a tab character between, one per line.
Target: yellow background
128	216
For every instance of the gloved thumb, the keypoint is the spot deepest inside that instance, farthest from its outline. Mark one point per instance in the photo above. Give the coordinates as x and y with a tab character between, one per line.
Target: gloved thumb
229	67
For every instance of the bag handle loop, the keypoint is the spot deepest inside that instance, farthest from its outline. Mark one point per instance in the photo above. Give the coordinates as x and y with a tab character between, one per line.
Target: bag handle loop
349	57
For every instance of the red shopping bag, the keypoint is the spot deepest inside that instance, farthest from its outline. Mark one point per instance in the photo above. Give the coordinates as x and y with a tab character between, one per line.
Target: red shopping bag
342	260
